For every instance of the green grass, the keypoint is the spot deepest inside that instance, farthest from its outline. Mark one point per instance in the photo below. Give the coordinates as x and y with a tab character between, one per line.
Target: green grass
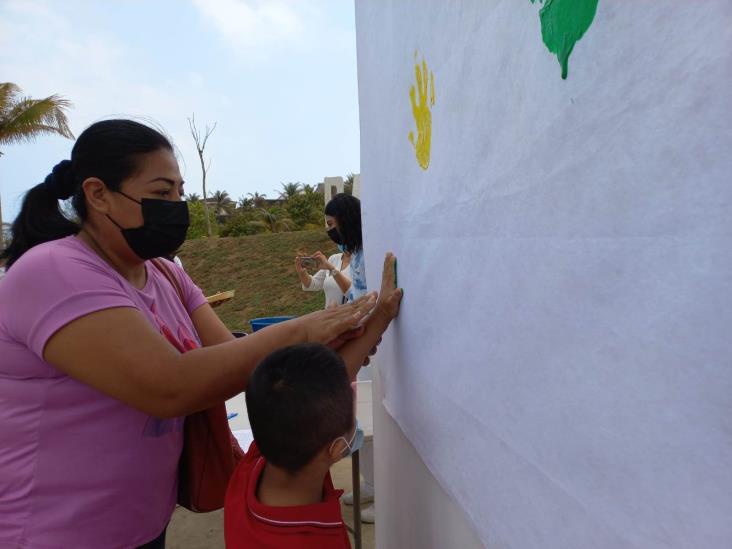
261	268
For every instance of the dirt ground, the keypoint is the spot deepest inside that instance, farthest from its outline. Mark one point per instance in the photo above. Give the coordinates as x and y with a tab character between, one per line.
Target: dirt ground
206	531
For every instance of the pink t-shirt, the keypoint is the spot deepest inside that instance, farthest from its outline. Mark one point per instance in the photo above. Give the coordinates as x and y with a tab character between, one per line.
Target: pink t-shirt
77	467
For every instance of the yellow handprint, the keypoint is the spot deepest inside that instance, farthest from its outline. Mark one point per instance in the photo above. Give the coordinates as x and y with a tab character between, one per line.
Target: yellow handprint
421	112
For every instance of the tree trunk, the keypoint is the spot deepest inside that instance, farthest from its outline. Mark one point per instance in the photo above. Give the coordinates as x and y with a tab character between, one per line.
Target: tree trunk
205	204
200	147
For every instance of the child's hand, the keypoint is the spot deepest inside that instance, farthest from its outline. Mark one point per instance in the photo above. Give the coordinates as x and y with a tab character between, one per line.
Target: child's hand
390	296
345	337
372	352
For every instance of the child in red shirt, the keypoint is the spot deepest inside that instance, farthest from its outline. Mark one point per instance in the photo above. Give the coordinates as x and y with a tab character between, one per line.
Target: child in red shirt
300	407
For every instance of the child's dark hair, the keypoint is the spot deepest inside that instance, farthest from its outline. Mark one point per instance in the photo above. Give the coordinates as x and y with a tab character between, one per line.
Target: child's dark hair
108	150
299	399
347	211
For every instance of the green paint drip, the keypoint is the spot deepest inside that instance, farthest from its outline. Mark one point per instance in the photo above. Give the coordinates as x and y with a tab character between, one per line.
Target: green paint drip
563	23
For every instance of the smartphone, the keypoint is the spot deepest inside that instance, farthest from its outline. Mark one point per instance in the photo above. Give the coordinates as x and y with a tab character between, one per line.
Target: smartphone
309	262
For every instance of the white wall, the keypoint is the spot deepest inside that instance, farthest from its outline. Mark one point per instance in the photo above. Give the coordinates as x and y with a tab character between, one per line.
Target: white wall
328	184
566	262
406	488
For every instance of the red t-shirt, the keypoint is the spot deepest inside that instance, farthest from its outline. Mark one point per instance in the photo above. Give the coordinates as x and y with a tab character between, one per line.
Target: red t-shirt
249	523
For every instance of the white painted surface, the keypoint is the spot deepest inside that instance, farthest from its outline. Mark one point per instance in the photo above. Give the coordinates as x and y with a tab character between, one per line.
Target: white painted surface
238	405
244	437
412	509
364	407
562	359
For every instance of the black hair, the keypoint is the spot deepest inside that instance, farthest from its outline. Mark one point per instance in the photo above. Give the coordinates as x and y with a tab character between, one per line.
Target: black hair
109	150
299	399
347	211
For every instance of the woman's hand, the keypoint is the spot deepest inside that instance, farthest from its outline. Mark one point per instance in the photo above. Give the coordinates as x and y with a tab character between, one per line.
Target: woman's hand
298	266
336	324
323	263
390	297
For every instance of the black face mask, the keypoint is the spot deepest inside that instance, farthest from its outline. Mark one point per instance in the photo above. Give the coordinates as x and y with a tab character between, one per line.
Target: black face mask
164	227
335	236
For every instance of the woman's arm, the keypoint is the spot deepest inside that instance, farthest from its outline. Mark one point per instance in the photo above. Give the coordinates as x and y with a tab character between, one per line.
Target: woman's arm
316	282
310	283
118	352
305	278
326	266
344	283
209	327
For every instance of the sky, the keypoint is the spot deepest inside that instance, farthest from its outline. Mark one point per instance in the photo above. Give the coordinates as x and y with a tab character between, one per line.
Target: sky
278	77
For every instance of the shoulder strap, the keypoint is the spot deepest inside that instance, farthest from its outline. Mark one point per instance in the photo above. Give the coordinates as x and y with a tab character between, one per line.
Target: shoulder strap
167	273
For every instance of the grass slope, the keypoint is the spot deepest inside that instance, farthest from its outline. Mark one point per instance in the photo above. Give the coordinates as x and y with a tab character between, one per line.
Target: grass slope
260	268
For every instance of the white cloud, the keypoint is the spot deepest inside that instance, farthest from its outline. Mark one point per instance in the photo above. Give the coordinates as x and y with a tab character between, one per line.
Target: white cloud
50	47
252	26
98	74
88	68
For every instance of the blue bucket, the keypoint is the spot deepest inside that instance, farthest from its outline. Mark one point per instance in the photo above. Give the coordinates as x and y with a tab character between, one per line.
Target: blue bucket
259	323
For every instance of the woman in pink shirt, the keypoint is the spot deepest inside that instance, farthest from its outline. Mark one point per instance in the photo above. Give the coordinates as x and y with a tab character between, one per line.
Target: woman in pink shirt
95	379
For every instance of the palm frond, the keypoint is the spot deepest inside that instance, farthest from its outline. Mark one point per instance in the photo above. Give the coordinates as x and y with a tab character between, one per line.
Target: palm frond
260	225
290	189
27	118
284	224
8	91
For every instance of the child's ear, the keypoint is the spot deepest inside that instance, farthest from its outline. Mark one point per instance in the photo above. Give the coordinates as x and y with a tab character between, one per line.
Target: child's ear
335	451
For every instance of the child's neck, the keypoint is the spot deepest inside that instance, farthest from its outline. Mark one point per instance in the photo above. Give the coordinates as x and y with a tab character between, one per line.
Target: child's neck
280	488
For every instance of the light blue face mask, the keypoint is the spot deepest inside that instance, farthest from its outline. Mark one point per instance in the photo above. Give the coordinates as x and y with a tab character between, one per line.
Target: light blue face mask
355	443
341	248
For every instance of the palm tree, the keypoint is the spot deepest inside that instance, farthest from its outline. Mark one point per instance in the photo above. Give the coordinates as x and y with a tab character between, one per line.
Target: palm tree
348	183
269	220
223	202
257	199
245	203
309	189
24	119
193	198
289	190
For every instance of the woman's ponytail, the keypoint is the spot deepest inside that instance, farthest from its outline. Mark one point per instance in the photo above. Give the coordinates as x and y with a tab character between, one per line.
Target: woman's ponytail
40	218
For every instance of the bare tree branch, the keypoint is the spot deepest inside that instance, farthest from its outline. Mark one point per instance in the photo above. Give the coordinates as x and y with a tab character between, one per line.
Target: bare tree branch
200	147
209	131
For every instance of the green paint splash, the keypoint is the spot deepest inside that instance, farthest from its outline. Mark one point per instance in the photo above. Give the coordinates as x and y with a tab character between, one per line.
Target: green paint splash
563	23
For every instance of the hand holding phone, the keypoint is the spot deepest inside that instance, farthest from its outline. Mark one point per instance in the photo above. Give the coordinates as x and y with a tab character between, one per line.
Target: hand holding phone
309	262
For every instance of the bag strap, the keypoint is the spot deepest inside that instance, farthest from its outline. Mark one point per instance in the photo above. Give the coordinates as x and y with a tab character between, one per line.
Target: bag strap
168	273
237	450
